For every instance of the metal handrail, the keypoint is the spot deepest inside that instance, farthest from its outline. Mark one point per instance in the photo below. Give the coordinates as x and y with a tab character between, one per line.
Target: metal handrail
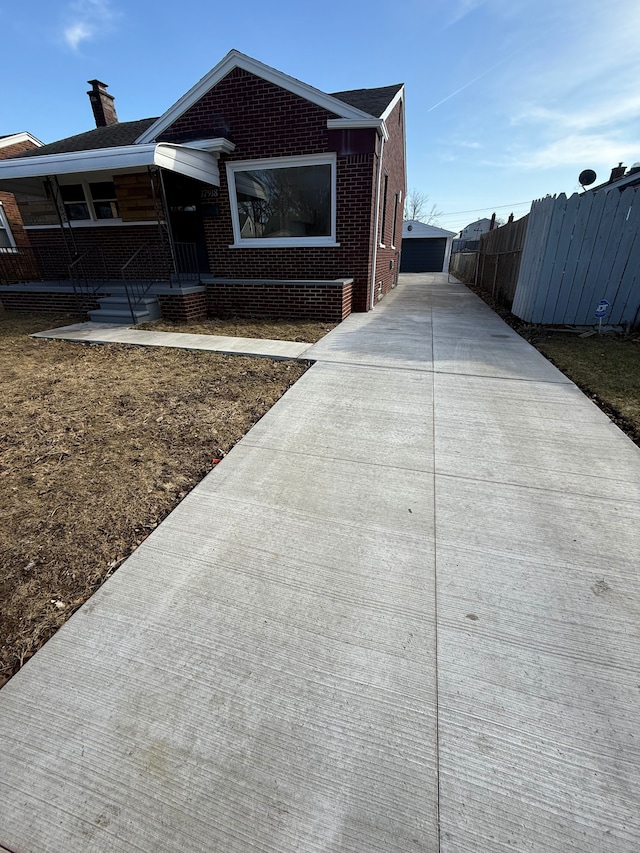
131	287
80	261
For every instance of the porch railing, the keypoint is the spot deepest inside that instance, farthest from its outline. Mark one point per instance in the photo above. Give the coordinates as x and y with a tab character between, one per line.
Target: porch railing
186	262
21	264
136	276
88	271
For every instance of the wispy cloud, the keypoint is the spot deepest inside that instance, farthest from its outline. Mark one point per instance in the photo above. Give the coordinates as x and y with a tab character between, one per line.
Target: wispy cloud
621	108
582	148
87	20
571	97
460	9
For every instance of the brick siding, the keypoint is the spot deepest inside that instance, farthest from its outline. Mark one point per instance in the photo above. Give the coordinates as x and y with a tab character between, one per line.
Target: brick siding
183	307
264	120
13	300
117	245
9	203
330	301
393	166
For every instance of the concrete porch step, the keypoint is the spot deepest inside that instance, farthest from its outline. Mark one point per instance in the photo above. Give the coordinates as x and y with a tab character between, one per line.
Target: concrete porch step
116	309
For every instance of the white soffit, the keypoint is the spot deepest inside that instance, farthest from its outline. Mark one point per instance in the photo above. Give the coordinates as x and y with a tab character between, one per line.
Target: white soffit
188	161
235	59
17	138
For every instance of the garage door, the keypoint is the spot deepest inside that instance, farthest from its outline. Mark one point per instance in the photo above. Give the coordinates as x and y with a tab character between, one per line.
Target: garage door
423	255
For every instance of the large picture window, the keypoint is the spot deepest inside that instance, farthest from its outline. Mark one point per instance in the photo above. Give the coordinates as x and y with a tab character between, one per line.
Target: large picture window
283	202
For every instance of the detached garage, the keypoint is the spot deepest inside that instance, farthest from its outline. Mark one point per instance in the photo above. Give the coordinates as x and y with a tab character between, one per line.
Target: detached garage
425	248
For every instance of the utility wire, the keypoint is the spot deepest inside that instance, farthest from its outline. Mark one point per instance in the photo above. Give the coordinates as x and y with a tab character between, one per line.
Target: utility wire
486	207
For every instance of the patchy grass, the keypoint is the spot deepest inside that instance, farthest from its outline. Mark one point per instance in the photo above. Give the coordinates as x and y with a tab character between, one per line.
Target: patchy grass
304	331
97	445
606	367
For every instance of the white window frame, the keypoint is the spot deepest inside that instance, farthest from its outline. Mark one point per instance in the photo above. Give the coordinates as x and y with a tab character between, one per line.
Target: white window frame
383	213
241	242
394	229
4	224
88	198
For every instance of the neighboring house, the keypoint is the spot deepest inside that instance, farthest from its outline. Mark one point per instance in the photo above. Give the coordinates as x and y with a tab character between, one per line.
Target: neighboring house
620	179
468	239
474	229
12	234
425	248
274	196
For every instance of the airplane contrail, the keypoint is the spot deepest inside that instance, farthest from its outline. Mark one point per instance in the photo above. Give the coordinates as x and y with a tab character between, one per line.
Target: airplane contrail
466	85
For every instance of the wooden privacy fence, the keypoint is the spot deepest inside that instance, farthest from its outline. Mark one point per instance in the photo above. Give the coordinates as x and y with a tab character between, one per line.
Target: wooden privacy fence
577	252
499	263
495	266
464	265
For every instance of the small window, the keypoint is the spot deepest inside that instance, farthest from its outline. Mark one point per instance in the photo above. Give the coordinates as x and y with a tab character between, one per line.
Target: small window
105	203
75	202
7	243
383	227
396	205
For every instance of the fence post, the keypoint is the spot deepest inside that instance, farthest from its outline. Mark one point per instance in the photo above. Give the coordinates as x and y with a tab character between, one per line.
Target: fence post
495	276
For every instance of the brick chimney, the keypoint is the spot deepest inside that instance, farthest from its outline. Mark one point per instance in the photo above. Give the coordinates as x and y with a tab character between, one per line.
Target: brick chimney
102	104
617	172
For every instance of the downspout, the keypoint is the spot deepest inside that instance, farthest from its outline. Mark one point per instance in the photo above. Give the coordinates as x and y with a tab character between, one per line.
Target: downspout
376	222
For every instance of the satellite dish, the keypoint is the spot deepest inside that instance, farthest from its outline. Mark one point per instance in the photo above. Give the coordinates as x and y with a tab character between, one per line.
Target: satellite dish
587	177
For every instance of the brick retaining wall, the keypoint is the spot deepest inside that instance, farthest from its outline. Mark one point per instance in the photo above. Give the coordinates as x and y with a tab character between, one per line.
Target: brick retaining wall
183	307
313	300
30	300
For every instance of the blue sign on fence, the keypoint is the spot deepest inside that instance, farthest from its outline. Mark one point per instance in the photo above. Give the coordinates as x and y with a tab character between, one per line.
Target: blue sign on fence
603	307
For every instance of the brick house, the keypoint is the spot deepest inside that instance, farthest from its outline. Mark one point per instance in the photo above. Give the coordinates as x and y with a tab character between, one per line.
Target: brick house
13	237
253	194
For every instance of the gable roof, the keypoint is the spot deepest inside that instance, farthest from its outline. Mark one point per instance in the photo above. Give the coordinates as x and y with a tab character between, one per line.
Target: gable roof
372	101
362	106
234	59
9	139
413	228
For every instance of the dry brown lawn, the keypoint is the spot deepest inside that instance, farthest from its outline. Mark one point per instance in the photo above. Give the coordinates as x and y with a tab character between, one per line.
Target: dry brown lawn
97	445
305	331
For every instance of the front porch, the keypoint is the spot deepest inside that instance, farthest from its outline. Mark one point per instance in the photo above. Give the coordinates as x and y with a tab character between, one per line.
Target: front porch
53	278
116	301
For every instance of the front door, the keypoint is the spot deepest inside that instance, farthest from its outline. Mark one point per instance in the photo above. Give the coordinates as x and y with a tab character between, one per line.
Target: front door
185	215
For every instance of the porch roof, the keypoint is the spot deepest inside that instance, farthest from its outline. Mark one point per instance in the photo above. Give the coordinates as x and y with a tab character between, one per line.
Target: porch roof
23	174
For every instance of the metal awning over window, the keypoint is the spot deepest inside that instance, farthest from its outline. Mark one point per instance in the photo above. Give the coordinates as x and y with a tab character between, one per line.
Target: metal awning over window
25	174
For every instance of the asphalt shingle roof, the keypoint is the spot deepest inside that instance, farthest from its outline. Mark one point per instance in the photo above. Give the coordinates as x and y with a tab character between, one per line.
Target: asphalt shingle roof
122	133
372	101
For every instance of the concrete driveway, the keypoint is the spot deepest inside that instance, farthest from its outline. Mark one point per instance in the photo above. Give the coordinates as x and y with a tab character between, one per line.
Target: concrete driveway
401	615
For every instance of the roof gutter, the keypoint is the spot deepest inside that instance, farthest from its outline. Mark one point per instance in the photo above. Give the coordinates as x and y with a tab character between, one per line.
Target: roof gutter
377	124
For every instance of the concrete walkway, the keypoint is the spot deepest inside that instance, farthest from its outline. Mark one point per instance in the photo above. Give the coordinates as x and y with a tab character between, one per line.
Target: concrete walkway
110	333
401	615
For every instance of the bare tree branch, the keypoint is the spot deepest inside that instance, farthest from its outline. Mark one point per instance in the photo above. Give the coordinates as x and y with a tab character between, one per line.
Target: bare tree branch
416	207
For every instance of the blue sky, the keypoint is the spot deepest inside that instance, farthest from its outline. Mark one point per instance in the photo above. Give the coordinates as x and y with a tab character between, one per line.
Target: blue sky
507	100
